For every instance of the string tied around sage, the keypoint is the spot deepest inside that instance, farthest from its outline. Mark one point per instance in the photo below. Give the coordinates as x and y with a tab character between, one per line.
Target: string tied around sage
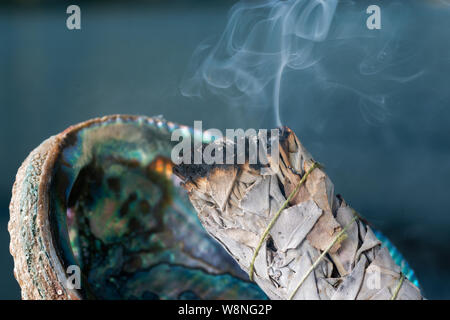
399	286
277	214
339	237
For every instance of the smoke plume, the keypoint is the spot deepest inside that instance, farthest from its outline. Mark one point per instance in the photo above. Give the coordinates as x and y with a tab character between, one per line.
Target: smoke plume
279	55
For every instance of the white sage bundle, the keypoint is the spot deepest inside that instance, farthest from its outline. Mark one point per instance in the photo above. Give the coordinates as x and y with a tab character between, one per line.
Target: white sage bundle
289	231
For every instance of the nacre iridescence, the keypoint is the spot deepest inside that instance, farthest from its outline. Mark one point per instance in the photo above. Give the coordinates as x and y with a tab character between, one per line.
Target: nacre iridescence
120	215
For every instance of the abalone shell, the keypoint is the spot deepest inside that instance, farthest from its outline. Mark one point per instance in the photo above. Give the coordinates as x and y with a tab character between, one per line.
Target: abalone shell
101	196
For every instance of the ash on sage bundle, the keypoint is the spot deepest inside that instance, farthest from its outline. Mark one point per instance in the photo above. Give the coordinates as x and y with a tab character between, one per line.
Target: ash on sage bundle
289	231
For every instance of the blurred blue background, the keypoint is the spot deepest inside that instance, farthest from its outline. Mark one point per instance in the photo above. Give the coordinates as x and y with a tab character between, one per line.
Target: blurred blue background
383	135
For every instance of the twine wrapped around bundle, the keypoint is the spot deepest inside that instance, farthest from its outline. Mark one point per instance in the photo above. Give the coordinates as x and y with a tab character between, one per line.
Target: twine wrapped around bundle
289	231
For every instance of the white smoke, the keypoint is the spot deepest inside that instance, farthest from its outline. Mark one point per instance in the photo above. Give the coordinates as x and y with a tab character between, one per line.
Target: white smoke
261	39
328	46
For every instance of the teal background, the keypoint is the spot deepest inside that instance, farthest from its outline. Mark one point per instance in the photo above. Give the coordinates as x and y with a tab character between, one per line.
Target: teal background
392	164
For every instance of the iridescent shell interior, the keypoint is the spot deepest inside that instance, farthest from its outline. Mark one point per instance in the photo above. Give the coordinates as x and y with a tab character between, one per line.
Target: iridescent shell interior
119	213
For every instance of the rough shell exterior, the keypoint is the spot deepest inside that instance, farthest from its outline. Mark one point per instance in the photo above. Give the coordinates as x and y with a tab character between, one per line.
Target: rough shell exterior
37	266
31	243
